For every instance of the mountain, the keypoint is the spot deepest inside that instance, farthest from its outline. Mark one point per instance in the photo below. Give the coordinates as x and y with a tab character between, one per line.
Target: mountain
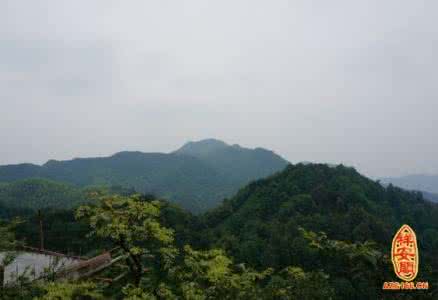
426	184
238	164
202	148
430	196
313	227
420	182
197	176
269	223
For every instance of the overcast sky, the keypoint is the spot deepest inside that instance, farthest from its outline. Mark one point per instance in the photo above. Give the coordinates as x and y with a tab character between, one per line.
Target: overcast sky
328	81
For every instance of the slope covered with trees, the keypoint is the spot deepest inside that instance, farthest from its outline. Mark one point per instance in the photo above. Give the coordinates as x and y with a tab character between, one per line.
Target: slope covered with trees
417	182
430	196
240	165
156	267
269	224
39	193
309	232
197	180
426	184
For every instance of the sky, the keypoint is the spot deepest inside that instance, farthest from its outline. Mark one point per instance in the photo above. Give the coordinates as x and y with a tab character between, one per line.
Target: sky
339	81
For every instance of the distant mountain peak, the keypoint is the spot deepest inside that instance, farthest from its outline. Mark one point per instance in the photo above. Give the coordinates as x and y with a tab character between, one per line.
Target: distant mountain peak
417	182
202	147
198	175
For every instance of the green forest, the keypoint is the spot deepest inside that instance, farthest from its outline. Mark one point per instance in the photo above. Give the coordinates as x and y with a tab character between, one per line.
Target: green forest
218	150
197	176
311	231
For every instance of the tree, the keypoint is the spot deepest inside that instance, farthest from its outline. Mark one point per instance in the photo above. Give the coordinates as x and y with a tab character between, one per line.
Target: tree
7	234
133	225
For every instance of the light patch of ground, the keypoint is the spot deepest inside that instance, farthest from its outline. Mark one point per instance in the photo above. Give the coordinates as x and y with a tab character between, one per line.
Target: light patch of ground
34	265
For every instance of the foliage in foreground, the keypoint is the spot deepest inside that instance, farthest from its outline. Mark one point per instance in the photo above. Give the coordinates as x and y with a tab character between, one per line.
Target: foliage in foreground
310	232
157	269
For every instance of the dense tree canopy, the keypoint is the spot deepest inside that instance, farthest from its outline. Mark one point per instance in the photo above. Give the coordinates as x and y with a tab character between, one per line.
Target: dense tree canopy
34	194
197	176
263	225
309	232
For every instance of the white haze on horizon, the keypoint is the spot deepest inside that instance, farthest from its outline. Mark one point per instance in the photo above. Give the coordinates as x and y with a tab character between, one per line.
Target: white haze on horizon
350	82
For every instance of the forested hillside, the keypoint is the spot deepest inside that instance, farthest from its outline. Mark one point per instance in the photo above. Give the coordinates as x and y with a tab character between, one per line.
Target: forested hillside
196	180
267	224
37	193
312	231
419	182
240	165
430	196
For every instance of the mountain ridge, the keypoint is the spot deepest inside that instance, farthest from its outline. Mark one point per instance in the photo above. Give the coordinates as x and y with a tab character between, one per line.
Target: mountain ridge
197	181
268	224
424	183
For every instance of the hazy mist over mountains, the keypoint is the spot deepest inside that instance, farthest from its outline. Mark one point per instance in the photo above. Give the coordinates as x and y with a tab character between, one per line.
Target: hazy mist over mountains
198	176
239	149
349	82
420	182
428	184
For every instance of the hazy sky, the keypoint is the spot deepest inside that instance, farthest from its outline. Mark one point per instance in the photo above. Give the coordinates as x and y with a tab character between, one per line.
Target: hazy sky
329	81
